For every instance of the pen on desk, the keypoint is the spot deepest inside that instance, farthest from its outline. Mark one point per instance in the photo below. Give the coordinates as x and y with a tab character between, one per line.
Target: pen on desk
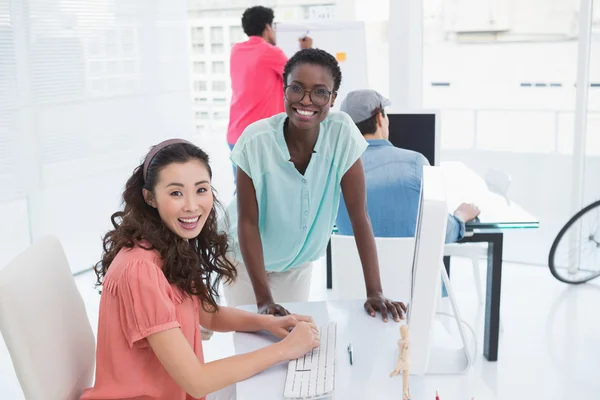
350	352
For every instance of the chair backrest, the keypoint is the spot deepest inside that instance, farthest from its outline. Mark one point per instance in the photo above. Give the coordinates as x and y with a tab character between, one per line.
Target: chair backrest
45	325
395	267
498	182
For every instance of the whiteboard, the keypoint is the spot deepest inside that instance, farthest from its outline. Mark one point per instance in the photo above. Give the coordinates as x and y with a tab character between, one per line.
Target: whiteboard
345	40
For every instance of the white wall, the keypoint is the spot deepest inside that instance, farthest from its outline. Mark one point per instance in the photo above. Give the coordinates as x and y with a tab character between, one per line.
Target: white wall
534	147
540	17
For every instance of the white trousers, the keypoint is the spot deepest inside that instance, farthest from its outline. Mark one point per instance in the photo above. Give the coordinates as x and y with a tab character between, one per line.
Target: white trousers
290	286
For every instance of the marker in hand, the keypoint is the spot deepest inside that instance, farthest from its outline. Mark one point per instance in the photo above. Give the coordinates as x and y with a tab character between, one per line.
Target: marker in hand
305	41
350	352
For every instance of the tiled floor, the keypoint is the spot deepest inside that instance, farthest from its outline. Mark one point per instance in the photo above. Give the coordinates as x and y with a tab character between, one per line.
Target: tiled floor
549	346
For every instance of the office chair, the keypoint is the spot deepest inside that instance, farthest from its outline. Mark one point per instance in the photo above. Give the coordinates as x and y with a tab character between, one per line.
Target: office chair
497	182
395	267
45	325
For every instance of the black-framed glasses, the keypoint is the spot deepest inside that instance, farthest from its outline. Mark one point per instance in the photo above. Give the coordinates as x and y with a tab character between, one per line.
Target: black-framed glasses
295	94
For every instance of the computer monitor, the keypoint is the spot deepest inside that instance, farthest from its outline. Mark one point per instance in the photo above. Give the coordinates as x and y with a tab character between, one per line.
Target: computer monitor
409	267
417	131
426	267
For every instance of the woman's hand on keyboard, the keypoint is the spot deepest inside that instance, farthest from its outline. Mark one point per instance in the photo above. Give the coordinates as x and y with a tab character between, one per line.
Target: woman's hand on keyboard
282	326
303	338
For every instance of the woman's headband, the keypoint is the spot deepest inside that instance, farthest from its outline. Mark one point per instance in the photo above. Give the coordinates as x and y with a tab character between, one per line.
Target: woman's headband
155	151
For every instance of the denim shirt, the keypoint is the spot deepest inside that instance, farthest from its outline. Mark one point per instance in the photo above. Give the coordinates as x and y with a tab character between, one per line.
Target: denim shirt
393	179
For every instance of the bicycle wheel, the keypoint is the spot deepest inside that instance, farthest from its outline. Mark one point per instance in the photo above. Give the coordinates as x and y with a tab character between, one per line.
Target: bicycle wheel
575	254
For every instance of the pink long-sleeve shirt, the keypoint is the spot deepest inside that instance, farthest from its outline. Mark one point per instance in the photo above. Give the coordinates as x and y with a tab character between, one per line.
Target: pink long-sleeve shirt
256	82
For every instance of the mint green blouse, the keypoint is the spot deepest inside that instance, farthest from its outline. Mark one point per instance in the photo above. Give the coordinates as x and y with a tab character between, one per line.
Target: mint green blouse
296	212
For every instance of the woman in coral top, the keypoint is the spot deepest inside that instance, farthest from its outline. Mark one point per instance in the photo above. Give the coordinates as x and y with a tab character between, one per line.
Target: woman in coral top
161	267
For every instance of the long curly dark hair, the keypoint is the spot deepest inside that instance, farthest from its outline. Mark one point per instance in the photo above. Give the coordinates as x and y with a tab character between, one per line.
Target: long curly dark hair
196	266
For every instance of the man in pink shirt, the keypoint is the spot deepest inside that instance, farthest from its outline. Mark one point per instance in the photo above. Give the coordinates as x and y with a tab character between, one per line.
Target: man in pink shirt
256	69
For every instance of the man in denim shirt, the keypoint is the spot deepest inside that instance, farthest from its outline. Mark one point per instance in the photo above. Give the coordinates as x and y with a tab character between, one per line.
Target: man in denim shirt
393	176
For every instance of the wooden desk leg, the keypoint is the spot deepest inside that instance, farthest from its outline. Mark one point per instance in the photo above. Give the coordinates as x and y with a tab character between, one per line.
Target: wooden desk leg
329	273
492	299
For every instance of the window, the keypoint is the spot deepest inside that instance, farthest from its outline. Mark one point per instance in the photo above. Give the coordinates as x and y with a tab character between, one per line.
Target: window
202	115
200	86
128	42
129	67
50	90
113	68
218	67
97	67
216	34
219	86
220	115
217	48
197	34
236	34
198	48
199	67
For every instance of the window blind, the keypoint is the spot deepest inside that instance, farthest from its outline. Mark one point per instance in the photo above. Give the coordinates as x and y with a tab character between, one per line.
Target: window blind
86	87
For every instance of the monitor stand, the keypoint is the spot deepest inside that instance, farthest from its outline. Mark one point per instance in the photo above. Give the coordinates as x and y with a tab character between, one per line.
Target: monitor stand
449	359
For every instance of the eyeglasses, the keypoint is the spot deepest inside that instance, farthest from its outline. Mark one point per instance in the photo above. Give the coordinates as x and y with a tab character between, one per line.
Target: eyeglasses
295	94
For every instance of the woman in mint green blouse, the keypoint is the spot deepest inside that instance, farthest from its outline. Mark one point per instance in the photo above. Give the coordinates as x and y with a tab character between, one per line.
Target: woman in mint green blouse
291	169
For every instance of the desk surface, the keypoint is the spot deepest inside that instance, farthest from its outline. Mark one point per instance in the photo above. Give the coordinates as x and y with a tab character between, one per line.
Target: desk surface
464	185
375	355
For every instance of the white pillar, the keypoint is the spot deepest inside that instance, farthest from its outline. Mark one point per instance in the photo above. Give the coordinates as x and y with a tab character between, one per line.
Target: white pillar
406	54
581	111
581	100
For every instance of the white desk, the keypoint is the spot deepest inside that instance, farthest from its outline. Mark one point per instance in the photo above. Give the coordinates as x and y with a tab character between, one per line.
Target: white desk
375	353
464	185
497	215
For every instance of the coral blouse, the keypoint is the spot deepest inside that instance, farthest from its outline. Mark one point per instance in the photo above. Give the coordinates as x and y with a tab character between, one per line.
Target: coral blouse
137	301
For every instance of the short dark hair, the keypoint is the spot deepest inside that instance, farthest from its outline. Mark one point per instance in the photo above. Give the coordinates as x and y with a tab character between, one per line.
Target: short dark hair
255	19
369	126
315	57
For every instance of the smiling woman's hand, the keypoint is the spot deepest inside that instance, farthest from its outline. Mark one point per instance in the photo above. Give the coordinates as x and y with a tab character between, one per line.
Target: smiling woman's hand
378	302
282	326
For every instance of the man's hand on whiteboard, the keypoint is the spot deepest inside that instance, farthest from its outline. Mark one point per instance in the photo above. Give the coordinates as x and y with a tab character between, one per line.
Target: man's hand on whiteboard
305	42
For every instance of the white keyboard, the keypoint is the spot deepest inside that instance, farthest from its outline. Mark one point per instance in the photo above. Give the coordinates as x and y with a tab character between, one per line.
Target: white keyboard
313	375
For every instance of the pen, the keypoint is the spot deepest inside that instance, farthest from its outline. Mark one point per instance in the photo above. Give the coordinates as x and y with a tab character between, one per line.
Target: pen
350	352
